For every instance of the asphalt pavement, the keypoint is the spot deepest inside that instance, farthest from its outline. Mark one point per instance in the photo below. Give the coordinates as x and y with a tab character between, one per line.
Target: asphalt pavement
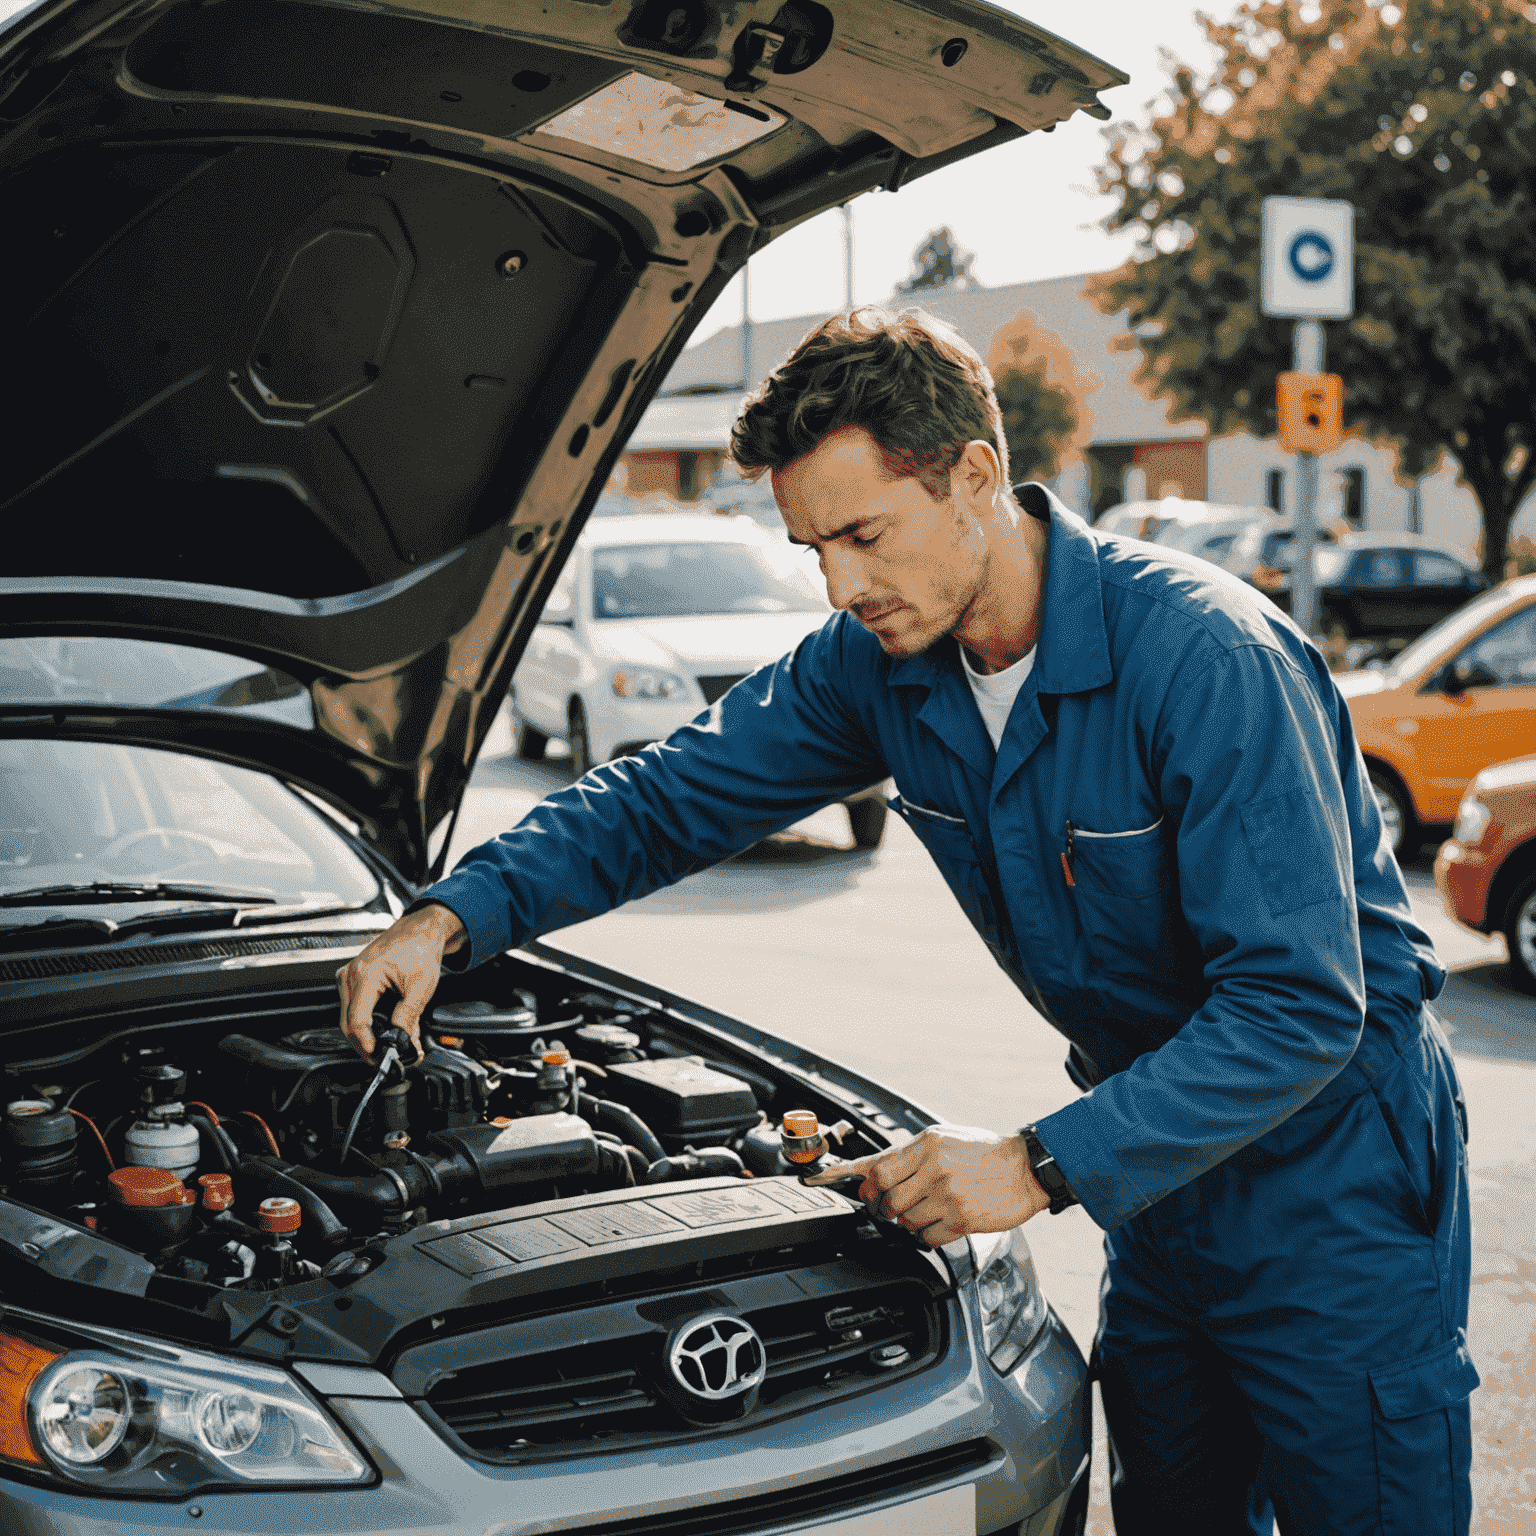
864	955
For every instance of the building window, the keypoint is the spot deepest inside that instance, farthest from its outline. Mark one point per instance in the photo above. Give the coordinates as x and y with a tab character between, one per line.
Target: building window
1352	489
1274	489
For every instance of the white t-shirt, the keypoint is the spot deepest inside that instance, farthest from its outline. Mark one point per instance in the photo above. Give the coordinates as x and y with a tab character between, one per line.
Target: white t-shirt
995	692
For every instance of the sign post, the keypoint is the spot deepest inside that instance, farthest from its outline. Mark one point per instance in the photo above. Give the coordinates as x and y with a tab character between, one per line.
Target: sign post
1308	276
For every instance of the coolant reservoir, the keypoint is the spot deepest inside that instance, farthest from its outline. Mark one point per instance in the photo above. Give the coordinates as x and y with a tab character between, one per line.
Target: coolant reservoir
162	1144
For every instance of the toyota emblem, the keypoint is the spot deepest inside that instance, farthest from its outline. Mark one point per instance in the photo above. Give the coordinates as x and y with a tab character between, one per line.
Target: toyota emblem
718	1358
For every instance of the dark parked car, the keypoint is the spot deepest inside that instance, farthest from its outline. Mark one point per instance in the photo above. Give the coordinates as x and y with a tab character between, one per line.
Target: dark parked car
1372	585
325	324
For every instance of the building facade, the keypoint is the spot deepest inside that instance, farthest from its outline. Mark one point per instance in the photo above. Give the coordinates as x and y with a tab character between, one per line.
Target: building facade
1134	451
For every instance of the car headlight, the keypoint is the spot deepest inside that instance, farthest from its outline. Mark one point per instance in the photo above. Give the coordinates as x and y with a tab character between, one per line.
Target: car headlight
1013	1311
648	683
130	1416
1471	821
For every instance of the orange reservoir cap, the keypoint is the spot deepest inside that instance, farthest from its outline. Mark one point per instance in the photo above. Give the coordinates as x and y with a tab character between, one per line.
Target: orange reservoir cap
559	1057
148	1187
278	1213
218	1191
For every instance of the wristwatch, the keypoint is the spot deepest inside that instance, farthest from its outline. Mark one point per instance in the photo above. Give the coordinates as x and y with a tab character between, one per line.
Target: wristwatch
1047	1174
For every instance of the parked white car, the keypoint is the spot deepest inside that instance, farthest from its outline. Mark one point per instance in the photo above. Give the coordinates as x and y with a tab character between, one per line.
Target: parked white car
652	620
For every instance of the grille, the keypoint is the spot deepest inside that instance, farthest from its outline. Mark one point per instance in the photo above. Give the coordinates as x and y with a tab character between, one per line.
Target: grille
905	1479
605	1390
40	967
715	687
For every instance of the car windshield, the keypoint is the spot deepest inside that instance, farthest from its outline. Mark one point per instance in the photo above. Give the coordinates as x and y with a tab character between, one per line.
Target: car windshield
1435	644
146	674
657	581
79	812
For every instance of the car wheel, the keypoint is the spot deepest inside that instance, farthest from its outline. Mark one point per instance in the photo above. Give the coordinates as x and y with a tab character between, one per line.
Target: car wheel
1520	932
580	741
530	743
866	820
1402	828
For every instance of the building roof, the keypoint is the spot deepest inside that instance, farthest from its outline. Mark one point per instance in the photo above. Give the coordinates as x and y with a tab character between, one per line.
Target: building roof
711	369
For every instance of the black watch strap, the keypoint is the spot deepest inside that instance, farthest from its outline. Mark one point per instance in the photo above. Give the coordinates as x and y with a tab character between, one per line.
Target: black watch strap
1047	1174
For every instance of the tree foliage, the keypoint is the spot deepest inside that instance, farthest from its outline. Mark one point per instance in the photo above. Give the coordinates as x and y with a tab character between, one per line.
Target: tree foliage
1042	392
938	263
1422	114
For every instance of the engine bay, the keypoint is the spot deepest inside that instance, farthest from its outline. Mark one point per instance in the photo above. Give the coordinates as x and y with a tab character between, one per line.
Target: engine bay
253	1149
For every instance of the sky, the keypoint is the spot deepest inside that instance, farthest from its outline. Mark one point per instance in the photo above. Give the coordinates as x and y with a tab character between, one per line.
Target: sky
1026	209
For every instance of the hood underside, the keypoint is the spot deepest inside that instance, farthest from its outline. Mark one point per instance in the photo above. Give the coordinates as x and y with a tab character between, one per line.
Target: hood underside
326	322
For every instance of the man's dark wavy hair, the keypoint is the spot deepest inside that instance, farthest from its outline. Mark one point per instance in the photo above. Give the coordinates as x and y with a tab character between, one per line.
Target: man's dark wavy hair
908	379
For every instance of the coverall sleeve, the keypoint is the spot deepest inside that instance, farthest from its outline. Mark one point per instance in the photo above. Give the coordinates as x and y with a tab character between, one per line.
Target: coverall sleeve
782	743
1247	768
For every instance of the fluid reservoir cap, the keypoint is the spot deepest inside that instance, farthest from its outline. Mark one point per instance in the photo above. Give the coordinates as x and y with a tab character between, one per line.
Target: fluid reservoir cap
147	1187
559	1057
35	1123
218	1191
610	1039
800	1122
162	1083
278	1213
453	1042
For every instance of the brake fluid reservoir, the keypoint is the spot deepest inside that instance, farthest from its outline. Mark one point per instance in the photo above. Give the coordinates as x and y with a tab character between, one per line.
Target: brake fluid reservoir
159	1143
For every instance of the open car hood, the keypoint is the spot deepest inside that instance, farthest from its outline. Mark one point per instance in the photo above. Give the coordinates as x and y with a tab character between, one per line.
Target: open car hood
326	322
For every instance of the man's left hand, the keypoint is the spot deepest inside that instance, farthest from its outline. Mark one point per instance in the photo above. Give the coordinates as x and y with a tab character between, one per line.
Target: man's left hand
948	1181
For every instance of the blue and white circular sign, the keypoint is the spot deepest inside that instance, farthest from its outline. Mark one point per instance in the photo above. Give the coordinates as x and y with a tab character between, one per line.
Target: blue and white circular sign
1308	261
1311	256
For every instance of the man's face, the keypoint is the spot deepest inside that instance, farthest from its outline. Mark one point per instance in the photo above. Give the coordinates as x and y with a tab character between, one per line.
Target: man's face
907	567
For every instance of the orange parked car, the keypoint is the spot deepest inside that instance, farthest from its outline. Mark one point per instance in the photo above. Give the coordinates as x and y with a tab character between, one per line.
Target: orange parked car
1460	698
1486	872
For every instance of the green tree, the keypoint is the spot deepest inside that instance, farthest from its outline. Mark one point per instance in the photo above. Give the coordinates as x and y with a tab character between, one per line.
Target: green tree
1419	112
1042	393
937	263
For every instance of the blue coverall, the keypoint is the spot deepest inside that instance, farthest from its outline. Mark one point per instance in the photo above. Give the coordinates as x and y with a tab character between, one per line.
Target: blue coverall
1177	857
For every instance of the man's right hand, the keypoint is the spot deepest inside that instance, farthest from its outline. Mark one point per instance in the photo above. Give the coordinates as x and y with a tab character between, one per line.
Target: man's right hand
405	958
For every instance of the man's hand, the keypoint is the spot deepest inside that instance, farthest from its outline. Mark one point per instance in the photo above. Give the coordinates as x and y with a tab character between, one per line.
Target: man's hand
406	958
948	1181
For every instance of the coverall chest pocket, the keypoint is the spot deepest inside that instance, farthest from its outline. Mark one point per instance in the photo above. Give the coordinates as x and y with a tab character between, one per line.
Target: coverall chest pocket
950	844
1126	893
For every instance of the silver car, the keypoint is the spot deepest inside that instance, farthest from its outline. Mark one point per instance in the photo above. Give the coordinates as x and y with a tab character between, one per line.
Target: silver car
325	325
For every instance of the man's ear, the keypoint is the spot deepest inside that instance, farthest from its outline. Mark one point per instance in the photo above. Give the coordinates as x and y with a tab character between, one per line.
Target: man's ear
979	473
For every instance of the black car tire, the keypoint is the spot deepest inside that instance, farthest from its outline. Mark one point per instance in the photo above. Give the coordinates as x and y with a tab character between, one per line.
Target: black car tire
530	743
1402	825
1520	934
579	739
866	820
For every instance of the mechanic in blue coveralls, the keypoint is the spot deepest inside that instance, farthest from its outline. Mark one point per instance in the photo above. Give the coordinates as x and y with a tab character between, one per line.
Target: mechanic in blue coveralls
1140	783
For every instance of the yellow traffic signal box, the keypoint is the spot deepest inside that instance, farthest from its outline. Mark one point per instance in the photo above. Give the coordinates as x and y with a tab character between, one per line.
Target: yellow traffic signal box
1311	411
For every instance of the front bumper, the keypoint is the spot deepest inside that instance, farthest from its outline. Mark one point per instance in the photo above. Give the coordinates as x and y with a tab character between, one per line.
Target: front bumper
1033	1424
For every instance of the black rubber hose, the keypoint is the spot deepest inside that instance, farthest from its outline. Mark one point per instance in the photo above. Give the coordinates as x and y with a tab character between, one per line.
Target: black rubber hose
378	1194
707	1163
217	1140
614	1165
273	1178
621	1118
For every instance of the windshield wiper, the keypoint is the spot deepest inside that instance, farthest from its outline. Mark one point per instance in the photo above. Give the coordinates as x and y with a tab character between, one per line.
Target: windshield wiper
137	890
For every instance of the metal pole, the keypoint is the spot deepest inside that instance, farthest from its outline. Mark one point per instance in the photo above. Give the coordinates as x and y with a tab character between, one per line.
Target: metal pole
746	327
1306	357
847	212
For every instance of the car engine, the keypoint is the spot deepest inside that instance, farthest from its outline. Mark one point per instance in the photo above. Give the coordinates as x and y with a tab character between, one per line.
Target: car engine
271	1154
